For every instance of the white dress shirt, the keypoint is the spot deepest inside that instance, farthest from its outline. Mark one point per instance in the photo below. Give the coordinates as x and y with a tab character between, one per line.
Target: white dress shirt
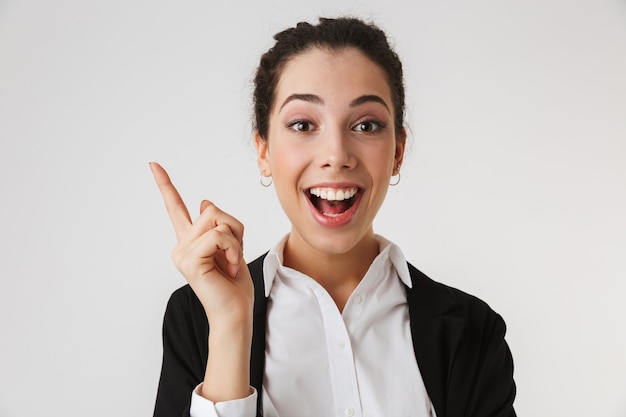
323	362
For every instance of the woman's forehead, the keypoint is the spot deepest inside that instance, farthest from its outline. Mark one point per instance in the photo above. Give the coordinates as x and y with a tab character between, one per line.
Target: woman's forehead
343	73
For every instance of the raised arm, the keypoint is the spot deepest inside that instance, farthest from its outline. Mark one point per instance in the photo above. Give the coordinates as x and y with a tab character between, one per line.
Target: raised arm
209	255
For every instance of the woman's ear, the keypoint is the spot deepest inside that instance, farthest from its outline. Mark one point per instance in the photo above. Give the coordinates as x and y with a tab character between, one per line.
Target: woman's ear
399	155
263	154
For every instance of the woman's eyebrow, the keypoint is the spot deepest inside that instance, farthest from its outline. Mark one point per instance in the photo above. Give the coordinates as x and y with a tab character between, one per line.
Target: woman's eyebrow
367	98
311	98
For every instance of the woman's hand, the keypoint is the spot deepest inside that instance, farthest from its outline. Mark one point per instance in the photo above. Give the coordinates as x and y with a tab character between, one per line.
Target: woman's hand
209	254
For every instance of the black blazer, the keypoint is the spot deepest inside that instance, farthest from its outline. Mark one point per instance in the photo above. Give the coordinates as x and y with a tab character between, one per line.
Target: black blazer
458	340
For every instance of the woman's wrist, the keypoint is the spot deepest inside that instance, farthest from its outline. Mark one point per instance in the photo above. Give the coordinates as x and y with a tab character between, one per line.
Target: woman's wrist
227	374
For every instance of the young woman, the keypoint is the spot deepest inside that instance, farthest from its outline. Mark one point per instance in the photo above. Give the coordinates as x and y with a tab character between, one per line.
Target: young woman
332	321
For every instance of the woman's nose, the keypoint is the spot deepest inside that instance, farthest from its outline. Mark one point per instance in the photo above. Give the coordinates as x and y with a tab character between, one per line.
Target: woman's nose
336	150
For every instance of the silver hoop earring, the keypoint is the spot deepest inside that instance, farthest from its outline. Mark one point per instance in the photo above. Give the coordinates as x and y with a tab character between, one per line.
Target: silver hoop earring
263	183
396	182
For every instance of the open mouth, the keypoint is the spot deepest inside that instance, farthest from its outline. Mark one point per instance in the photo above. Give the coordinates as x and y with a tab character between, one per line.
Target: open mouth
333	202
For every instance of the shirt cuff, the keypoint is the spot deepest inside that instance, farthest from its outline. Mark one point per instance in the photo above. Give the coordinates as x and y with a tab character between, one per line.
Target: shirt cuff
243	407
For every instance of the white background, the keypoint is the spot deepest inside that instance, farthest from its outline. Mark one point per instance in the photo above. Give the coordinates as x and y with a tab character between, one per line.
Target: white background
514	188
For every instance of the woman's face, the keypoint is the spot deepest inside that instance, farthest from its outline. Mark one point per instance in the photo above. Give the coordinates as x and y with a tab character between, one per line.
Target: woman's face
331	148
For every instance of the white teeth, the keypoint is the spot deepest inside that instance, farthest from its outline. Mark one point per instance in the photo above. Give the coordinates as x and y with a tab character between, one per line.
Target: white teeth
331	194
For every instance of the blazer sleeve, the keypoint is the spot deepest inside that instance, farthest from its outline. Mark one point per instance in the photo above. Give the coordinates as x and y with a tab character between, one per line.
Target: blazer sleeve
494	388
484	367
185	352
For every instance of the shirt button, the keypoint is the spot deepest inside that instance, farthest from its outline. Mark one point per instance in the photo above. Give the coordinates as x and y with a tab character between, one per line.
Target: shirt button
349	412
341	345
358	299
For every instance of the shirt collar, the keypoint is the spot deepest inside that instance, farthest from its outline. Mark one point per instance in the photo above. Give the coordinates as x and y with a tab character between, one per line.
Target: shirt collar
274	261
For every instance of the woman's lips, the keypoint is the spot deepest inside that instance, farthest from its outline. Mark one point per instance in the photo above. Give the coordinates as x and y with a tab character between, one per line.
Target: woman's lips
334	206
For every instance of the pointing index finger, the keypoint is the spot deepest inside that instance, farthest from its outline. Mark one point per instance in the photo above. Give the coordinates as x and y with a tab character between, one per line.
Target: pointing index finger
179	215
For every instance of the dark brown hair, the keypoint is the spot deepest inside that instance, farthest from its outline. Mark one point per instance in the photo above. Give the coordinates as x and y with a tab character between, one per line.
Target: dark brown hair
328	33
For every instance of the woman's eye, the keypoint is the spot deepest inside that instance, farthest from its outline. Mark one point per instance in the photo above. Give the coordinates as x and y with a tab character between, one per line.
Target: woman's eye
300	126
368	127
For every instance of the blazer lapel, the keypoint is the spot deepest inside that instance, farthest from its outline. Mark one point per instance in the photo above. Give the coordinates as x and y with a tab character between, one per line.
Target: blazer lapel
257	353
436	334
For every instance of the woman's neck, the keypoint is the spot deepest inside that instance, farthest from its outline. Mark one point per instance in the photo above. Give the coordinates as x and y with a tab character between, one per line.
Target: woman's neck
338	273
